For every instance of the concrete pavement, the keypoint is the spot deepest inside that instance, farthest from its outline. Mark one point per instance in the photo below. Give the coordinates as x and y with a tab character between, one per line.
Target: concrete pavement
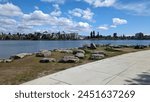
132	68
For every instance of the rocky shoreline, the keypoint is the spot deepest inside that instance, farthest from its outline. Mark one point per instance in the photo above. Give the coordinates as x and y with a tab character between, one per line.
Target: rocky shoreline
78	53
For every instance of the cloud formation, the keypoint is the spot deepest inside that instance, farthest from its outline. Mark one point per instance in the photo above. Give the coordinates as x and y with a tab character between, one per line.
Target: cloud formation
103	27
118	21
9	9
14	20
141	8
57	11
101	3
115	22
54	1
85	14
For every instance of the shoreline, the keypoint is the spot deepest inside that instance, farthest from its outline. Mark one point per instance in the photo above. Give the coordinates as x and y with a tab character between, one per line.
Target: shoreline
111	45
26	67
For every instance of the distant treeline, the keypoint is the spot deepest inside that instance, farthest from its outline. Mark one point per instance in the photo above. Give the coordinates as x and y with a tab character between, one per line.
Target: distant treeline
71	36
137	36
40	36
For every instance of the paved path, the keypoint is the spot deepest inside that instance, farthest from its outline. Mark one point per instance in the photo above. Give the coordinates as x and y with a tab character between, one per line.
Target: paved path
132	68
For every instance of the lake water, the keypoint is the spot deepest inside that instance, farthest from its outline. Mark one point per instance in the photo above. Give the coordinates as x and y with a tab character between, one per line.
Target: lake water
8	48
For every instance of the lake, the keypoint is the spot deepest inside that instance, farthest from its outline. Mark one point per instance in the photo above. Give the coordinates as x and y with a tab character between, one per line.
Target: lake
8	48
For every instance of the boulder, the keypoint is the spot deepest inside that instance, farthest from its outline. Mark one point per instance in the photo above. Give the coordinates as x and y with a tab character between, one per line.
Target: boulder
93	46
47	60
97	56
8	60
44	53
21	55
1	60
85	46
56	50
78	51
80	55
69	59
66	51
39	54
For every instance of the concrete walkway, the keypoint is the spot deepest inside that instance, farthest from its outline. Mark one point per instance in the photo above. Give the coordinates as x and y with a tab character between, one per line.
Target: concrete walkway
132	68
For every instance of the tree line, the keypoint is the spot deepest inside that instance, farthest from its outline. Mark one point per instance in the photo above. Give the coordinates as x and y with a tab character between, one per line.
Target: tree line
137	36
71	36
40	36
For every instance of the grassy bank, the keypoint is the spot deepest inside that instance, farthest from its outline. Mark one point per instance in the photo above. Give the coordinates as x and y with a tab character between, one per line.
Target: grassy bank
28	68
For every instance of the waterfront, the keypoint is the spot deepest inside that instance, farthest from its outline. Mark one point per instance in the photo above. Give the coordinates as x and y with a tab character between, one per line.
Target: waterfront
8	48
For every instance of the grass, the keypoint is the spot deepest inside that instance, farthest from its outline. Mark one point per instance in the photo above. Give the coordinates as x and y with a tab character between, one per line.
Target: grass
29	68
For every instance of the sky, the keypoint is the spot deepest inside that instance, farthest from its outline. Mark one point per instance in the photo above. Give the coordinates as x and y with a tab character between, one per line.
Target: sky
81	16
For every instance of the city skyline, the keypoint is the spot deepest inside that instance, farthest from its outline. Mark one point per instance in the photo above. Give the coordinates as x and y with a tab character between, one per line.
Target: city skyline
81	16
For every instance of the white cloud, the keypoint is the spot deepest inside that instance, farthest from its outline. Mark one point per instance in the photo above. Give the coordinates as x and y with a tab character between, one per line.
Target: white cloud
76	12
7	21
10	9
83	25
118	21
57	11
54	1
36	18
113	26
7	24
139	7
103	27
101	3
136	8
85	14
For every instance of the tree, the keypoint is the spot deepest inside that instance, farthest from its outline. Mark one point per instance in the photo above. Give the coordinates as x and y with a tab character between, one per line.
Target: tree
139	35
115	35
91	34
97	36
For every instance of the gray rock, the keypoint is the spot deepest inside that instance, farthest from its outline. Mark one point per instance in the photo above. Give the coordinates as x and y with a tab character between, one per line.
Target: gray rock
1	60
97	56
86	46
39	54
66	51
8	60
47	60
44	53
21	55
56	50
80	55
93	46
69	59
78	51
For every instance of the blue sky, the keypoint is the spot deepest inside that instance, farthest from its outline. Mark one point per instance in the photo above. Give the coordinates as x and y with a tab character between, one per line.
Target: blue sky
106	16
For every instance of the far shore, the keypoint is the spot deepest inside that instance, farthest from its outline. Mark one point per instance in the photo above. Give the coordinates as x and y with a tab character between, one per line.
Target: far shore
28	66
